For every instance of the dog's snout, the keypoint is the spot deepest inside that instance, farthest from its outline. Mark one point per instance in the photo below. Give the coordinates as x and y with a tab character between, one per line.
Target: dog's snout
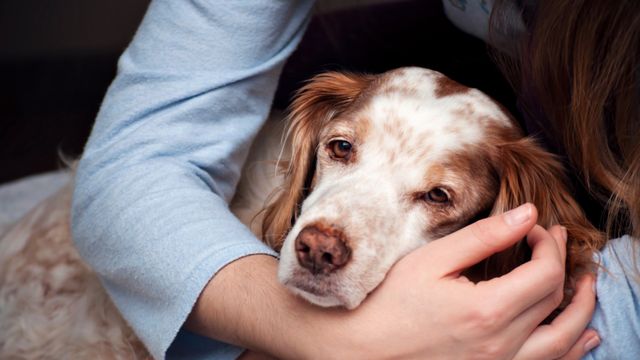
321	249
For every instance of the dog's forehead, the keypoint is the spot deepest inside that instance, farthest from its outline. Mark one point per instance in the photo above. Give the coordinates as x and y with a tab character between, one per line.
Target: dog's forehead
428	104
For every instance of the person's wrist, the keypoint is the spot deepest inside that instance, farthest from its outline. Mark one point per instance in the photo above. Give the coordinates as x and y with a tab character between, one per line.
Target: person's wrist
355	334
324	333
301	330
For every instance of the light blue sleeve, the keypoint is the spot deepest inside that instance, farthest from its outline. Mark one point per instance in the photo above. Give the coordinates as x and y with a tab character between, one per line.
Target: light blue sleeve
470	16
150	210
617	315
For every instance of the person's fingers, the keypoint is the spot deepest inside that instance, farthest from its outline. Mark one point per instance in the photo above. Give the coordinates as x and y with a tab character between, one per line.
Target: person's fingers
559	233
544	246
251	355
479	240
536	282
529	319
587	342
563	334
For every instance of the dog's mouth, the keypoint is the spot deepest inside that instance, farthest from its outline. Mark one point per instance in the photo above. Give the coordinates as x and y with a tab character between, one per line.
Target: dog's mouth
310	289
321	290
315	284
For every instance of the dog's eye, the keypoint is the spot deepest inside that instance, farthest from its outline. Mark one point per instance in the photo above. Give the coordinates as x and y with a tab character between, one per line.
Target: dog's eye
340	149
437	195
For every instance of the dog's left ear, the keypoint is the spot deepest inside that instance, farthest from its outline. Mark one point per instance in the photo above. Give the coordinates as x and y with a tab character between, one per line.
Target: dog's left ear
320	101
528	173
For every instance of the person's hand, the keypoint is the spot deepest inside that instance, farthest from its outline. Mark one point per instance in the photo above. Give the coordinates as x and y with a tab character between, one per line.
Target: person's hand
425	308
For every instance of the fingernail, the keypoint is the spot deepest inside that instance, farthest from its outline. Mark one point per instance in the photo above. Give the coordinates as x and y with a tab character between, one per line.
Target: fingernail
564	233
518	215
591	344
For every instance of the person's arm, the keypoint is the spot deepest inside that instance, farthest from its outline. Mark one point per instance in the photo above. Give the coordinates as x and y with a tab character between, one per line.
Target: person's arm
423	309
150	208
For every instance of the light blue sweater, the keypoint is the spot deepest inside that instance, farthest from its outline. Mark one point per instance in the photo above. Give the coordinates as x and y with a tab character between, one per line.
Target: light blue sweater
150	207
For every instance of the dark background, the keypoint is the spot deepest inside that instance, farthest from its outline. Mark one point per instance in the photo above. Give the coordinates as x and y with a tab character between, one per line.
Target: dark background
57	58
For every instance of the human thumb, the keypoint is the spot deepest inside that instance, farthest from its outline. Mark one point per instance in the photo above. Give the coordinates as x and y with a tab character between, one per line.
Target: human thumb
474	243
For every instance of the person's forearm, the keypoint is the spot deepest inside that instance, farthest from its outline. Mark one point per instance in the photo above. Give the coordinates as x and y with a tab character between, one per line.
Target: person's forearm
244	304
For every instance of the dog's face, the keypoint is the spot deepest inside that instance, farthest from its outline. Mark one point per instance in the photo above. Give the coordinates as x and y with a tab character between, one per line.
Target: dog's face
382	165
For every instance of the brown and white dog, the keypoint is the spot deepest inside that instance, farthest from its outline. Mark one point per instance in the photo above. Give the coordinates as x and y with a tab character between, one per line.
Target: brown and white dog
383	164
378	165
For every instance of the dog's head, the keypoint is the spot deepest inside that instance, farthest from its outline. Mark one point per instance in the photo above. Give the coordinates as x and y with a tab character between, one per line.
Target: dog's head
383	164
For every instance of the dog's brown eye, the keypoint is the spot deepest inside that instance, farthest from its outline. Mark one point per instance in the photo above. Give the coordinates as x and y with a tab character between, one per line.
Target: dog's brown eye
437	195
340	149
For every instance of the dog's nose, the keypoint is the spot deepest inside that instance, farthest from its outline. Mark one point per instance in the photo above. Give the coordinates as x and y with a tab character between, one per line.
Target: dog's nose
321	250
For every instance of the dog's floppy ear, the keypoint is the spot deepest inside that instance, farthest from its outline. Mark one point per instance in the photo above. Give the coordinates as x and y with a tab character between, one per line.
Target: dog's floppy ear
528	173
315	105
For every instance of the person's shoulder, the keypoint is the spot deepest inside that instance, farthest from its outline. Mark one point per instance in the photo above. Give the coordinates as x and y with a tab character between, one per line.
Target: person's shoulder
471	17
620	255
617	314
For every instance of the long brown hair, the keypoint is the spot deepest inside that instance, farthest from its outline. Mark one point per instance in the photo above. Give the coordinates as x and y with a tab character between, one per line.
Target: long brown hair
577	70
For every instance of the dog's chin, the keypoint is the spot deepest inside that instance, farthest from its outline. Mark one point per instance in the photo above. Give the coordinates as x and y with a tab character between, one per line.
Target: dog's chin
324	296
326	300
320	300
